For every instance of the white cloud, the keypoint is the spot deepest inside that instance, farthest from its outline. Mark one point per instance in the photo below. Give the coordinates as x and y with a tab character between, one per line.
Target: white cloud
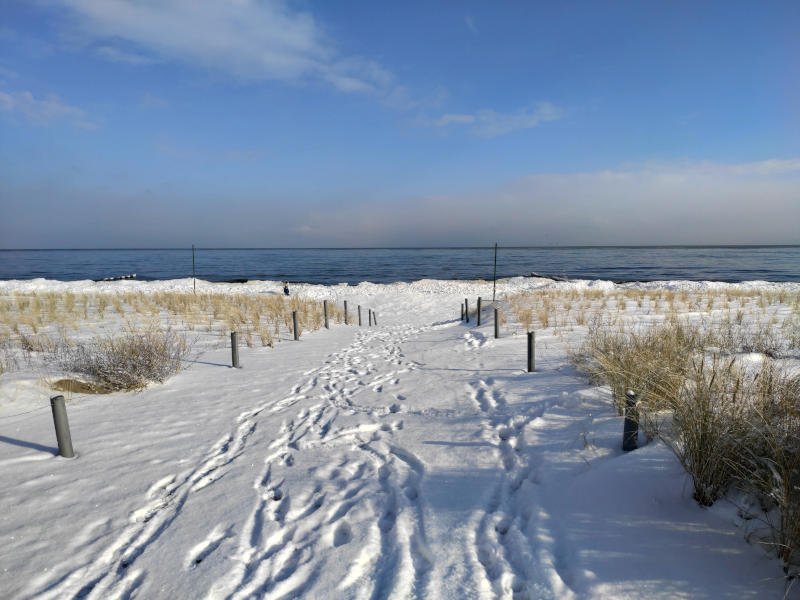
116	55
651	203
691	203
247	39
43	111
489	123
446	120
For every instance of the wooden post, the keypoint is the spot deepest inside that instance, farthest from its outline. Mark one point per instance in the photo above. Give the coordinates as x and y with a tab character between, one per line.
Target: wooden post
466	309
496	324
359	315
63	436
630	429
345	312
531	351
369	317
235	349
294	325
325	310
479	311
462	311
374	318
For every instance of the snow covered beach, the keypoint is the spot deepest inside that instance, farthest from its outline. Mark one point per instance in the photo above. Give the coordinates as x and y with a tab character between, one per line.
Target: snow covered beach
416	458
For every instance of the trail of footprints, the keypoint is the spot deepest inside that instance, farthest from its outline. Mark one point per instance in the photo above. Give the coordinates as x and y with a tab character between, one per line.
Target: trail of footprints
485	396
286	561
514	537
370	488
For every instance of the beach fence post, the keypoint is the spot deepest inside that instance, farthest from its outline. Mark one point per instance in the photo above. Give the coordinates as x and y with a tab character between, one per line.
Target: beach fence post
479	311
466	309
235	349
494	276
294	325
374	318
345	312
630	428
462	311
63	437
531	351
194	281
359	315
325	312
496	324
369	317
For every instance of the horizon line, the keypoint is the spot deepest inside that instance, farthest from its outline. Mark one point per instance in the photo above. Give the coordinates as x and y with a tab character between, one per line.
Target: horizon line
515	247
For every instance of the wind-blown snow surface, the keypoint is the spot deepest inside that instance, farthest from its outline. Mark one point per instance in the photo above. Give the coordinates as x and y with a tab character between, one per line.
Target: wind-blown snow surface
414	459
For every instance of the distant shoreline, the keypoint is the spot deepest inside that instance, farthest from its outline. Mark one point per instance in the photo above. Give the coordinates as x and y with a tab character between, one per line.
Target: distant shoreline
356	248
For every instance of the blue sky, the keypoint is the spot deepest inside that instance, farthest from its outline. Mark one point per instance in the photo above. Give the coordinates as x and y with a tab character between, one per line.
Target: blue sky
249	123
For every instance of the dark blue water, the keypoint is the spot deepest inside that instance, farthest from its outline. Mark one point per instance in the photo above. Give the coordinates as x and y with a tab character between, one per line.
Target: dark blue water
386	265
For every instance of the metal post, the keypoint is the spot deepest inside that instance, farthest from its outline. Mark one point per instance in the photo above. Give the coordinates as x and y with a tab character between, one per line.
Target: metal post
345	312
194	282
62	426
479	311
494	277
325	310
531	351
466	309
496	325
294	325
359	315
235	349
630	429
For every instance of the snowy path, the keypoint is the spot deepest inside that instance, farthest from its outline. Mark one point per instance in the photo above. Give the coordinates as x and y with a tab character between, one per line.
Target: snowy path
402	461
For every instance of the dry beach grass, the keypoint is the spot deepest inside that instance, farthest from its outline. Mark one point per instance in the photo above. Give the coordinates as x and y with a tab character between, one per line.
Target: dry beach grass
78	332
713	381
712	368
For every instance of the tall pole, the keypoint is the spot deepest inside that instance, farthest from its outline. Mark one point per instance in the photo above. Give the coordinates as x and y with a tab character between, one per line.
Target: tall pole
494	277
194	283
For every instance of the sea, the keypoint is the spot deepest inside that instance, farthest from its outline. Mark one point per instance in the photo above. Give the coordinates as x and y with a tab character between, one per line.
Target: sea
389	265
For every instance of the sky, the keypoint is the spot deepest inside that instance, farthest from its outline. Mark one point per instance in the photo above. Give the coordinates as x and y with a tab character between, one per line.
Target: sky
250	123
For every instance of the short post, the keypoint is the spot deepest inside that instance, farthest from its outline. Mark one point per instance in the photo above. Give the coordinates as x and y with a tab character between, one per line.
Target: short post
235	349
462	311
62	426
325	311
466	309
345	312
359	315
374	318
531	351
630	429
294	325
479	311
369	317
496	324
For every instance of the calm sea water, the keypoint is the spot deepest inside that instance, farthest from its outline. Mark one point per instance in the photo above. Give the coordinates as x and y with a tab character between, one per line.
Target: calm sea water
386	265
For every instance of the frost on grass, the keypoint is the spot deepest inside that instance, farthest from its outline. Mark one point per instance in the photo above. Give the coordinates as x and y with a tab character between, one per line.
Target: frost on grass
128	361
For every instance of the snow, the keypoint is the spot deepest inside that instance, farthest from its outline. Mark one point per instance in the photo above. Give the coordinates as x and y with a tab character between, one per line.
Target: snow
414	459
